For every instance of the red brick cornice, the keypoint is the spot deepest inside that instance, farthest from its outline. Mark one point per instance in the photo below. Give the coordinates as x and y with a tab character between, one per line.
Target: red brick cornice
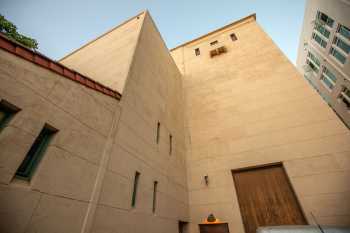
45	62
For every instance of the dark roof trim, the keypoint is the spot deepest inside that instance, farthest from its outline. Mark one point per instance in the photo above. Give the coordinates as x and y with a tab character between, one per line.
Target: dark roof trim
45	62
215	31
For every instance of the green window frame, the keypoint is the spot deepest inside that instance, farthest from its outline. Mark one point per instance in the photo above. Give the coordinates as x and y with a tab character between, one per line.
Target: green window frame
7	111
338	55
342	45
319	40
28	166
154	204
321	29
134	193
345	96
325	18
344	31
313	62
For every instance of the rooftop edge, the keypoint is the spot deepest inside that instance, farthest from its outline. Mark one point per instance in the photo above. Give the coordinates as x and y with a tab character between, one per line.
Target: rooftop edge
216	30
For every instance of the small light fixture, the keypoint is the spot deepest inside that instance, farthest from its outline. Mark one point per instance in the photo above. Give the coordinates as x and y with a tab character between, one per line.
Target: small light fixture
206	179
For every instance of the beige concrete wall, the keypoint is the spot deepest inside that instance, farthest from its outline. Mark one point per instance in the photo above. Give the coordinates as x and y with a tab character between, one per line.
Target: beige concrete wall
153	92
251	107
59	193
107	59
85	180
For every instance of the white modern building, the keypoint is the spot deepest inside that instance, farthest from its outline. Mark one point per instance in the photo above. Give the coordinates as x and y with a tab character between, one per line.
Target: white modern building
323	53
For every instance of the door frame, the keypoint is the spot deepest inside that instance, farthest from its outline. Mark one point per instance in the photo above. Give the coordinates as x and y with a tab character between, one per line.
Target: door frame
266	165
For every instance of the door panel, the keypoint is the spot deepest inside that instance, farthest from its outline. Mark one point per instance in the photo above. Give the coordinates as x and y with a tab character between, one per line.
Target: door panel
266	198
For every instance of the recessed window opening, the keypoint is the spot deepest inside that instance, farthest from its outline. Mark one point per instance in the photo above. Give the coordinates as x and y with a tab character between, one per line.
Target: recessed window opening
233	37
7	111
134	193
213	43
170	144
35	153
158	132
155	184
197	51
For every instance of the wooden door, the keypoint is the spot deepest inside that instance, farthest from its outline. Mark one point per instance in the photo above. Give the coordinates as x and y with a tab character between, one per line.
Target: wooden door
266	198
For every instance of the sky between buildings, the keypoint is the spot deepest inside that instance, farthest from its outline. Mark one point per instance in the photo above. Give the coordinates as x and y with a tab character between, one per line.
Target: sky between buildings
61	26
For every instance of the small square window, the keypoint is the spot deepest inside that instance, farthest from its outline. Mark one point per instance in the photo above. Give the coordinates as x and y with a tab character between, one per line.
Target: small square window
213	43
197	51
233	37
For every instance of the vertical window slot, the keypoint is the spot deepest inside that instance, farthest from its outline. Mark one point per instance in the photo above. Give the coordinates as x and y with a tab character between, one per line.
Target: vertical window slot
134	193
155	184
158	132
35	153
170	144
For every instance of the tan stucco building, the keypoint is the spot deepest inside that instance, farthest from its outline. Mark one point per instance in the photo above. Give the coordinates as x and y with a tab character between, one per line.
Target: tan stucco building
123	135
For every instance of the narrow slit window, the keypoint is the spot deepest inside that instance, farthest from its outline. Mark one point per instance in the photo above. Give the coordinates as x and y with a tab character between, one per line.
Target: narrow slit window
154	204
170	144
158	132
197	51
134	193
35	153
7	111
233	37
213	43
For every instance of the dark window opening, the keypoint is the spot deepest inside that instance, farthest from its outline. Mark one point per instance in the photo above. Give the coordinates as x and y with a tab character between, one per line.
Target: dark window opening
170	144
213	43
7	111
35	153
155	184
158	132
134	193
197	51
233	37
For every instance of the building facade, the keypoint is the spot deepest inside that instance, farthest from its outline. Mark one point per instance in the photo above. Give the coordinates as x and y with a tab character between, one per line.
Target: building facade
323	53
123	135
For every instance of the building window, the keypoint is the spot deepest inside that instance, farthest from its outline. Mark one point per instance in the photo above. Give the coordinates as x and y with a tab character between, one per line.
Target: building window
155	184
319	40
134	192
35	153
233	37
345	97
344	31
197	51
338	55
213	43
158	132
328	78
313	62
322	29
170	144
7	111
342	45
325	19
217	51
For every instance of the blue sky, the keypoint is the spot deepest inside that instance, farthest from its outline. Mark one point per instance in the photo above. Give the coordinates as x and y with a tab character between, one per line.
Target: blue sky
61	26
